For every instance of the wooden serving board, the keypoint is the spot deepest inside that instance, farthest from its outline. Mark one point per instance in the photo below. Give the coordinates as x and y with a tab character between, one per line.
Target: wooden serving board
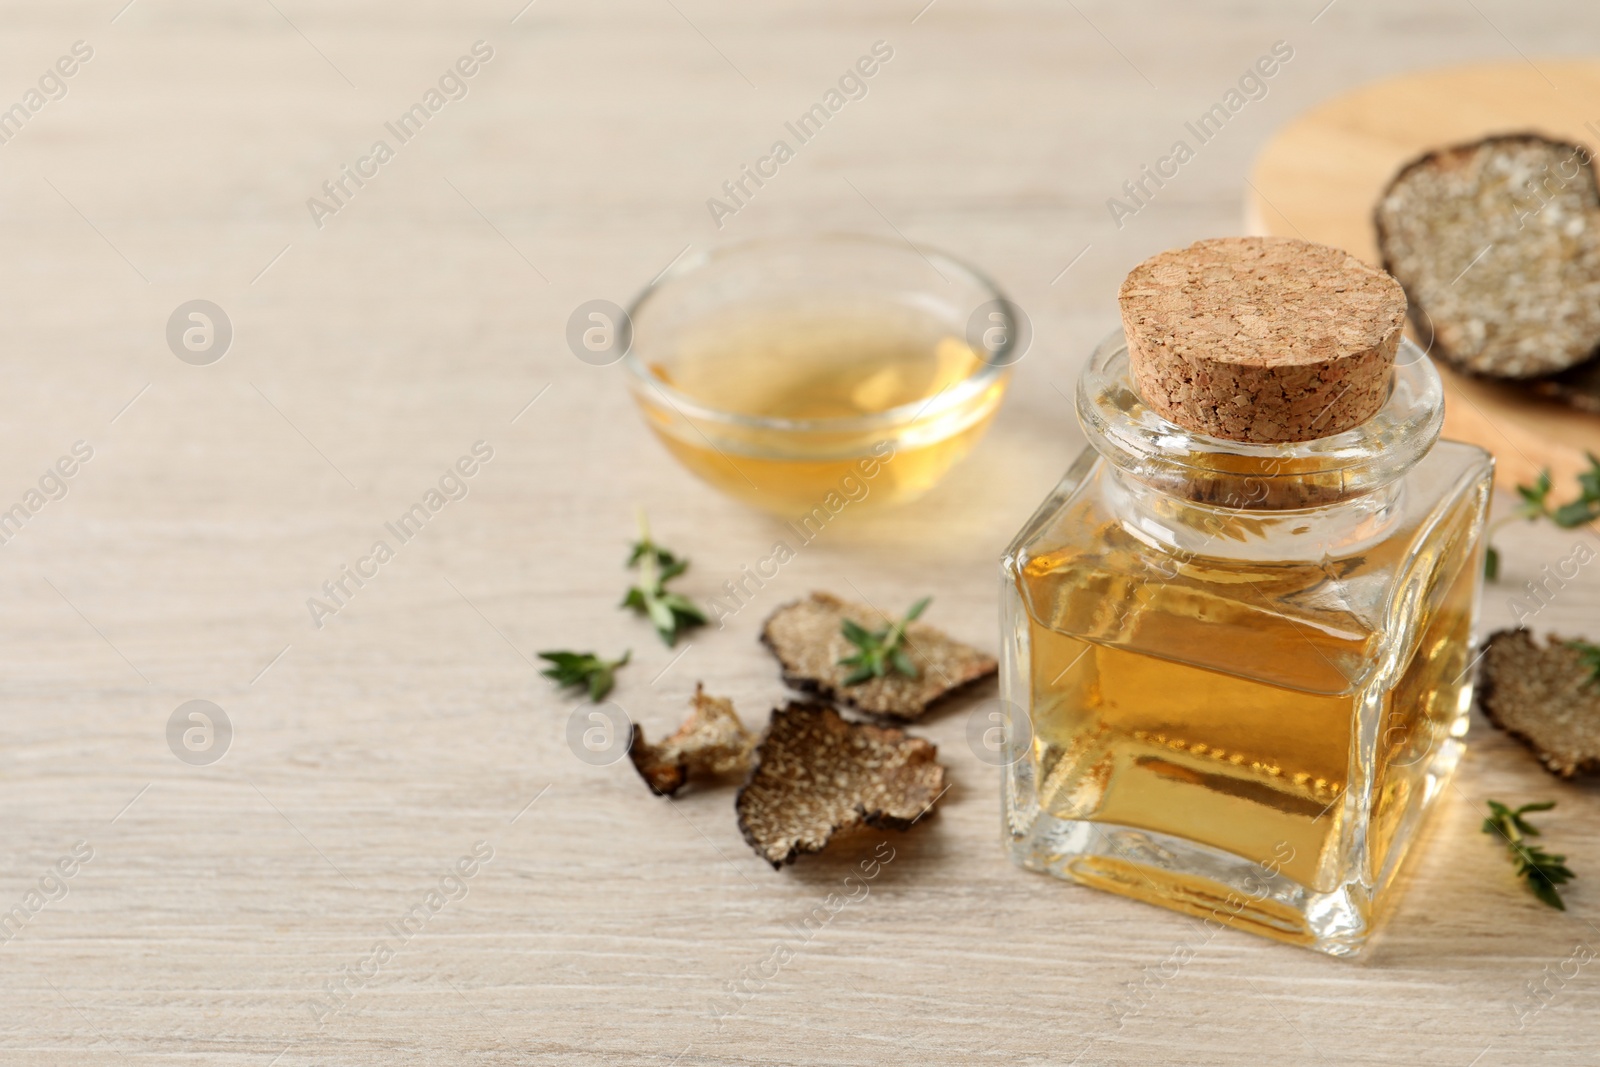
1320	176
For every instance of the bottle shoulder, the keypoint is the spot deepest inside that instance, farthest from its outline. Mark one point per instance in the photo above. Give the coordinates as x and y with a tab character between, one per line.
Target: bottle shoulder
1089	501
1291	597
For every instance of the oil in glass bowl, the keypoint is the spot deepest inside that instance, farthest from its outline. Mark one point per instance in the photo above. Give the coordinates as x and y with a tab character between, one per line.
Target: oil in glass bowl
808	375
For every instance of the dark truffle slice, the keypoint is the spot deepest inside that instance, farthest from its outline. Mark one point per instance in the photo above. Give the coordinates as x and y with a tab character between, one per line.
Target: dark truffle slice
1497	244
711	742
816	774
807	639
1544	696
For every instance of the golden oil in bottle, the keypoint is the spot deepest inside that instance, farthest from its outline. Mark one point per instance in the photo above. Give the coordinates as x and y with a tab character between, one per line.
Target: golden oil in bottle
1239	672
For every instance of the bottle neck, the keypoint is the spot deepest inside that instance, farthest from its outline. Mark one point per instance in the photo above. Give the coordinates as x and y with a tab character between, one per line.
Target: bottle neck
1239	527
1192	493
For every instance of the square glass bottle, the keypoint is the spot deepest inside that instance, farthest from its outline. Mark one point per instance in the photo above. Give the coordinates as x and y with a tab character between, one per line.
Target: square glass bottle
1239	673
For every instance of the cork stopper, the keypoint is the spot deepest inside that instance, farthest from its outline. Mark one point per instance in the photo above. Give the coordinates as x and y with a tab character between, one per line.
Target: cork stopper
1262	339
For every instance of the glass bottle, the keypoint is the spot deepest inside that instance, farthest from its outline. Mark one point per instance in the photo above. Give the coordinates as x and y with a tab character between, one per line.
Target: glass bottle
1240	673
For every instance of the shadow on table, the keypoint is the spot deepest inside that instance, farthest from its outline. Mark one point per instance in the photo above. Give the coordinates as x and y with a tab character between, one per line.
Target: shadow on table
866	858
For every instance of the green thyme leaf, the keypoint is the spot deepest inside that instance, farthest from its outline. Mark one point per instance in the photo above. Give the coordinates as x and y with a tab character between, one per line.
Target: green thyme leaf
1542	870
862	673
583	670
882	650
1535	504
1589	480
1535	497
1590	655
902	663
1586	508
1576	513
670	613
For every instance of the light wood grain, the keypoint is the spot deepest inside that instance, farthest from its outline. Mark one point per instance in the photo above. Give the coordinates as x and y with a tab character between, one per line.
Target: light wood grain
1321	176
374	752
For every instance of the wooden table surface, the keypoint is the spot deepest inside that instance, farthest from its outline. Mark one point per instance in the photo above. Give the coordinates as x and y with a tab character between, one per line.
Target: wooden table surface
243	912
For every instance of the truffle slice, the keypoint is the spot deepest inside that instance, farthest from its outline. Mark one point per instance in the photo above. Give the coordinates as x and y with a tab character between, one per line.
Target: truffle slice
806	637
711	742
816	774
1544	696
1497	243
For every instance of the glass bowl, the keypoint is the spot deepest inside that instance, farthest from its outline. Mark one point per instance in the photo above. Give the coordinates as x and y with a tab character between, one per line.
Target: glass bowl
805	375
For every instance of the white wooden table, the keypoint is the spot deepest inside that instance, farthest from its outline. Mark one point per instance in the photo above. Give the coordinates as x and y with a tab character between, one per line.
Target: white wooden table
221	902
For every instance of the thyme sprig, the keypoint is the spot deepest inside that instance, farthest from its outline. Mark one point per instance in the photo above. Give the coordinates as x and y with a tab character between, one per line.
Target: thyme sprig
671	613
882	650
585	670
1535	504
1590	655
1543	870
